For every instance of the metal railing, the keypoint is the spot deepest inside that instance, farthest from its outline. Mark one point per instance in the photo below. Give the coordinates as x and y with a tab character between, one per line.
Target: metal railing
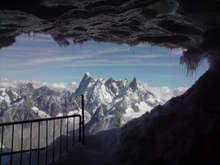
39	141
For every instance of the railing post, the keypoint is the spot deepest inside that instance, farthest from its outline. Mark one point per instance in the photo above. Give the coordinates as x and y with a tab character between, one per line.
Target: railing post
2	145
12	143
83	122
22	134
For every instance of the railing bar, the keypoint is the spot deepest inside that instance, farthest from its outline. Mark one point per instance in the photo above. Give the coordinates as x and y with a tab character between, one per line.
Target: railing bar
12	143
60	135
2	144
22	127
38	120
46	140
54	129
67	135
38	155
30	143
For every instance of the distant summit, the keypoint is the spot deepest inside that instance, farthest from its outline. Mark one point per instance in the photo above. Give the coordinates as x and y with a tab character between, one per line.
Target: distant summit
85	83
108	103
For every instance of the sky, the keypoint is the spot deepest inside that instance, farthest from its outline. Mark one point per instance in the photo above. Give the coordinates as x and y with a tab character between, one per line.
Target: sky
40	58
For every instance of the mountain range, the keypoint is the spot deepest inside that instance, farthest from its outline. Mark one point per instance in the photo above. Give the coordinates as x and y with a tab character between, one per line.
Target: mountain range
108	103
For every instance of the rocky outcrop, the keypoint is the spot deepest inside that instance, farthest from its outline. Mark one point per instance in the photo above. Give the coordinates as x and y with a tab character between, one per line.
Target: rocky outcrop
183	131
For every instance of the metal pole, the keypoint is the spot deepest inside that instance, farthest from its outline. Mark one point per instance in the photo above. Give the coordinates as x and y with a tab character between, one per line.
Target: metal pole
30	143
46	140
2	145
60	136
67	134
83	123
22	134
54	129
12	143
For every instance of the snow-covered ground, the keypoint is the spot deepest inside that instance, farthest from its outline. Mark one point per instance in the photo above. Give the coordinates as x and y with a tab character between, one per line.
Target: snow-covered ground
40	113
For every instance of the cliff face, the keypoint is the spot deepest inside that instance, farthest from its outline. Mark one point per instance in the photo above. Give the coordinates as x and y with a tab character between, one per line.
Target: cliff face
183	131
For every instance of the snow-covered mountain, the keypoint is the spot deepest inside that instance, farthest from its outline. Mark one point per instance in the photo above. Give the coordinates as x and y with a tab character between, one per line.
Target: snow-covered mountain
108	103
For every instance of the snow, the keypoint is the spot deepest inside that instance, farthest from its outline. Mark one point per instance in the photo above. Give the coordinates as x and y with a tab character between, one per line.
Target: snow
87	116
4	95
151	100
40	113
12	106
118	99
72	112
59	115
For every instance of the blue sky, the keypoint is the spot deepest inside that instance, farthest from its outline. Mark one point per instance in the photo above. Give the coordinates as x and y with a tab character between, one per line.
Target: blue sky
40	58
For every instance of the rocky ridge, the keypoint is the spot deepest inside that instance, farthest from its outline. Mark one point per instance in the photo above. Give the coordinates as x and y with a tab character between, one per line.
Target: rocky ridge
108	103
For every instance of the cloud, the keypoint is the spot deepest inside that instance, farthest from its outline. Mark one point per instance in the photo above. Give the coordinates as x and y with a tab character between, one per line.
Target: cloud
58	86
164	92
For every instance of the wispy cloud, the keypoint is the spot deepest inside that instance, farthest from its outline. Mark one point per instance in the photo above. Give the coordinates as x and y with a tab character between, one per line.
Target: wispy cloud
164	92
107	62
41	58
58	86
110	56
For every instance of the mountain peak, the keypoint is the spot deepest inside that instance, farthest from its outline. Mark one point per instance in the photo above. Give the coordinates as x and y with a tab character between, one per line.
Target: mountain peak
27	89
87	77
133	84
87	74
109	81
29	85
86	82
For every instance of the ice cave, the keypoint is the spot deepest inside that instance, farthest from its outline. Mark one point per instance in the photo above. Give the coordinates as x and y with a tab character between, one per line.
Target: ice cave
183	131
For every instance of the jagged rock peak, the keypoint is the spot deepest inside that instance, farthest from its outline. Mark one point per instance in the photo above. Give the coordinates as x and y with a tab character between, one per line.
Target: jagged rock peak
27	89
133	84
86	82
109	81
28	85
87	74
11	88
87	77
45	90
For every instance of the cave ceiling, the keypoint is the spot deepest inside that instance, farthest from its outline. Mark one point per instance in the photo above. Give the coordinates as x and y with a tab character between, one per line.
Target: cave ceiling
189	24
